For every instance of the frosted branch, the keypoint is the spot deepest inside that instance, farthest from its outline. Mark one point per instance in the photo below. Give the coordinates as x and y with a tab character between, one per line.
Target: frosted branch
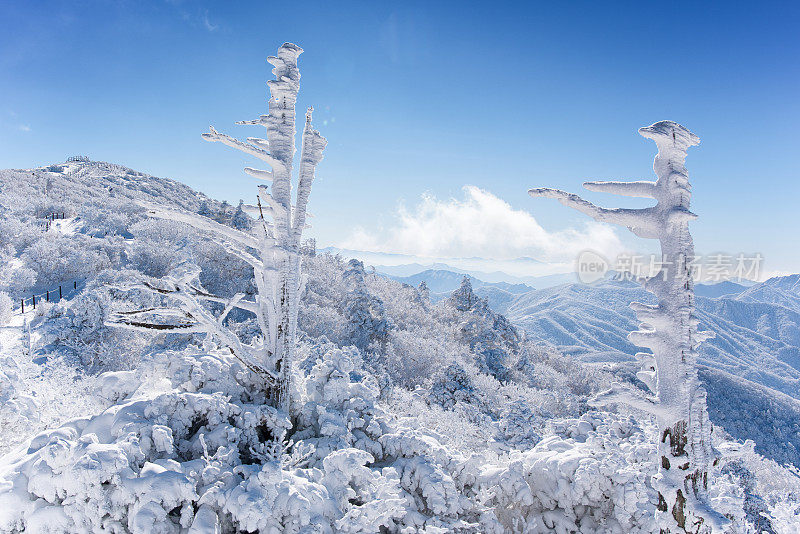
625	396
640	189
310	156
199	222
637	220
260	174
214	136
203	320
230	306
258	142
261	121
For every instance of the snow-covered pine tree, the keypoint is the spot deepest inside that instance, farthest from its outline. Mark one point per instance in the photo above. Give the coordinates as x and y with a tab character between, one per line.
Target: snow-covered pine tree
463	298
240	219
224	215
424	291
668	329
204	209
271	247
366	317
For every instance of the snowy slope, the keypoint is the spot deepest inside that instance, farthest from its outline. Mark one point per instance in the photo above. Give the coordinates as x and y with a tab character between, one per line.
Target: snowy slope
590	321
64	186
780	291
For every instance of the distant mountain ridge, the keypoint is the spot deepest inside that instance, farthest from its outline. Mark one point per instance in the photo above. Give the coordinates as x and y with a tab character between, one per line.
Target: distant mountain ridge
522	270
718	290
439	280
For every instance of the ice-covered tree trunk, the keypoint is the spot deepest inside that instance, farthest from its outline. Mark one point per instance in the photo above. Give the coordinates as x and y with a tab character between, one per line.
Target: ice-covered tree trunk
668	329
278	279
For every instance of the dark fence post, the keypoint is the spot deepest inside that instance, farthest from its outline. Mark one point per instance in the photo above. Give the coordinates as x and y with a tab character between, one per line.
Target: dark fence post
59	292
48	296
33	298
23	305
75	285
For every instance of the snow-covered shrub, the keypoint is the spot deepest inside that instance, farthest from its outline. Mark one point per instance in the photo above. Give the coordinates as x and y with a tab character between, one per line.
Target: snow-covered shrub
153	250
17	408
491	337
412	357
240	220
57	258
36	396
452	385
18	233
109	217
45	207
195	443
547	369
520	424
317	321
80	324
21	280
6	306
130	467
593	481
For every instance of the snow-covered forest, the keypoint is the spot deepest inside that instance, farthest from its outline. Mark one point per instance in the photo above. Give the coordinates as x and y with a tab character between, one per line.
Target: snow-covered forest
170	363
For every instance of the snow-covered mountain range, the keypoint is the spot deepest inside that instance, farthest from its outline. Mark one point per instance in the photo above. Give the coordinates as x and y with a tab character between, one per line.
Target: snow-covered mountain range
755	354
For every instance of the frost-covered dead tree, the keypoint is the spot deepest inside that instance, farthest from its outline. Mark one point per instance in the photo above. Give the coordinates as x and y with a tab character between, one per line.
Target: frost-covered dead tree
668	329
272	246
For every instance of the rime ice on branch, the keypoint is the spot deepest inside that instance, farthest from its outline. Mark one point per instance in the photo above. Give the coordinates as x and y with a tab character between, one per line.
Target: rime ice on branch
272	245
668	329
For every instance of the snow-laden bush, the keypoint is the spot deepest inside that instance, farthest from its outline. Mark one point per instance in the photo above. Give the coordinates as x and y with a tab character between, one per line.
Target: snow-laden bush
191	443
17	408
20	234
109	217
56	258
80	324
153	249
34	397
366	319
195	443
19	280
453	385
6	306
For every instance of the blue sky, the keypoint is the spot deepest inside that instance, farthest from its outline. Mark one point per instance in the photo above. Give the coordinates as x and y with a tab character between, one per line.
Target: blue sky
424	98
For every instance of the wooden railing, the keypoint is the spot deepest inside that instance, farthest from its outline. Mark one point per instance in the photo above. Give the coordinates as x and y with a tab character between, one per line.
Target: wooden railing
52	295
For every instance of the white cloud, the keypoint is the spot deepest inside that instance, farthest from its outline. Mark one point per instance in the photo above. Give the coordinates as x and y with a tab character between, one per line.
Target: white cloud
24	128
481	225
